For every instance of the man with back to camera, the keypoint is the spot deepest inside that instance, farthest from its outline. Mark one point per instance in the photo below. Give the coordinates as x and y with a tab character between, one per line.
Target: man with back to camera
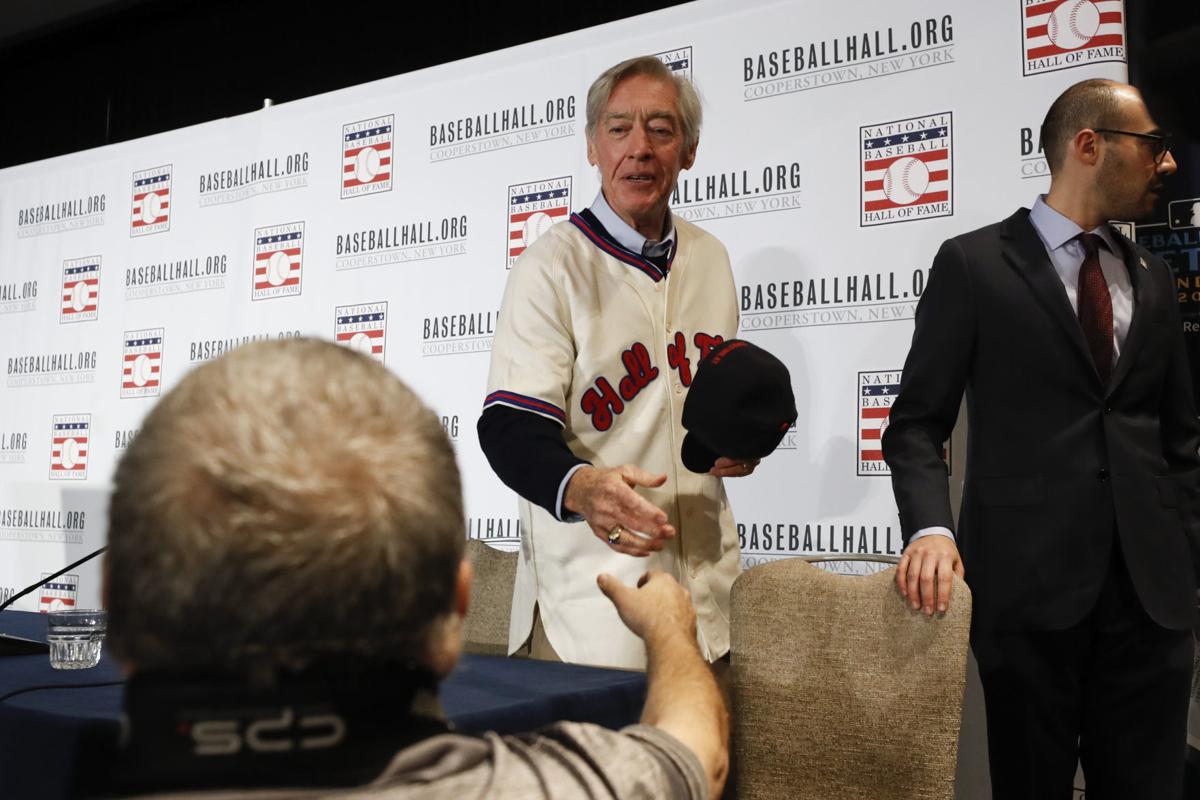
1079	522
604	321
286	541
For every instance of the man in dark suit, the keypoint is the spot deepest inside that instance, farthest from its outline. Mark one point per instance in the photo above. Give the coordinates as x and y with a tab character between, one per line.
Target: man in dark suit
1078	525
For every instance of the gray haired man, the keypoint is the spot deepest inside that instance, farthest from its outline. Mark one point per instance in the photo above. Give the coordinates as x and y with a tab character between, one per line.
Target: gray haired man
286	532
604	321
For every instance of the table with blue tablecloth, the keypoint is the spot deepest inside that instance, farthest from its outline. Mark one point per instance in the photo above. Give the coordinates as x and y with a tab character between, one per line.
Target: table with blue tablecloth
45	714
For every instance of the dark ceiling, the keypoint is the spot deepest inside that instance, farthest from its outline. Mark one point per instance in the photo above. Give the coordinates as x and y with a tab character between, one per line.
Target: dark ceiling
76	74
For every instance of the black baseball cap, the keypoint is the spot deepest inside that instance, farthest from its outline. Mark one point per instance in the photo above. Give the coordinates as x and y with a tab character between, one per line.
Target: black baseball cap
740	405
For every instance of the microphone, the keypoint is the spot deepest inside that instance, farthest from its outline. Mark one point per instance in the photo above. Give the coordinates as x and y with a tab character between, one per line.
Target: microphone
20	646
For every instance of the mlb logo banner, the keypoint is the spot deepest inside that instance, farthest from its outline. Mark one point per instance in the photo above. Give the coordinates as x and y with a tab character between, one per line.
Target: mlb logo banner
278	256
678	60
367	156
59	594
907	169
151	201
141	367
1061	34
69	446
1183	214
532	209
80	290
362	328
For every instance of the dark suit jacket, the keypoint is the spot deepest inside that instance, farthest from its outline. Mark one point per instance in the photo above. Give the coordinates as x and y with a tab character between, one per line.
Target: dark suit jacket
1058	465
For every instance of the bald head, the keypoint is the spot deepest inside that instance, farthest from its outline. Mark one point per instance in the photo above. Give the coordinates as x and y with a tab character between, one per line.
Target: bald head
1094	103
1107	156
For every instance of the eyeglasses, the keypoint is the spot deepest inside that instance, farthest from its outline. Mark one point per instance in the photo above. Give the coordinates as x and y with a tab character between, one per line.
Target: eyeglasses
1160	141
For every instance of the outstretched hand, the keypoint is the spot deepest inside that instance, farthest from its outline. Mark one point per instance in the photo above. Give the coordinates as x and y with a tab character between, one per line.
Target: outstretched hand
658	607
619	516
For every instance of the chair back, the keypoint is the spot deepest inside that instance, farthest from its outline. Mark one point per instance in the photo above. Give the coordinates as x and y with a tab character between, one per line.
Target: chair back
486	625
840	690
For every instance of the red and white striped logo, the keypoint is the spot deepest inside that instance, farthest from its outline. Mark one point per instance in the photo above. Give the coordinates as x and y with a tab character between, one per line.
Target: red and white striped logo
367	156
876	393
141	366
80	290
151	201
69	434
59	594
362	328
907	169
532	209
278	259
1061	34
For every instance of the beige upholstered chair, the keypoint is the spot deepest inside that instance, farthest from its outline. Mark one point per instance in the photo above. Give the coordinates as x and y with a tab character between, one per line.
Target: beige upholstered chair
491	599
840	692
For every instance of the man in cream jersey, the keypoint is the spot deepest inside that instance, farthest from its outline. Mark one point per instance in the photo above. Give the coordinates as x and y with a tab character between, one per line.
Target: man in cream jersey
604	321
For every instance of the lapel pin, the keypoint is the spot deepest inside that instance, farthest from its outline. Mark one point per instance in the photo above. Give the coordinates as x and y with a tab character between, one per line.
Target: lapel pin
1142	261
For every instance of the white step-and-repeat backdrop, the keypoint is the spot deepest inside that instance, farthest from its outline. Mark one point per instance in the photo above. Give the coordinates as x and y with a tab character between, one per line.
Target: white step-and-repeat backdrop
841	145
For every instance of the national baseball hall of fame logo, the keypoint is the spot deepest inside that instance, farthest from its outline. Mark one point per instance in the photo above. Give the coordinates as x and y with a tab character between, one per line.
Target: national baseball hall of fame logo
59	594
69	435
876	393
80	290
151	201
362	328
141	366
278	258
532	209
367	156
678	60
1061	34
907	169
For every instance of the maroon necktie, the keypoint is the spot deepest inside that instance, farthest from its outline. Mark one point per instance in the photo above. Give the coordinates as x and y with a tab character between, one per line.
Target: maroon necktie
1095	306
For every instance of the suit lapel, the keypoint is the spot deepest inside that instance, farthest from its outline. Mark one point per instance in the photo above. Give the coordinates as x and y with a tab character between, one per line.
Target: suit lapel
1142	285
1023	249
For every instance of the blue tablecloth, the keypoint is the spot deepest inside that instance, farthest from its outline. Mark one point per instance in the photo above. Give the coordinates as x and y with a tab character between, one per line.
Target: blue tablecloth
40	730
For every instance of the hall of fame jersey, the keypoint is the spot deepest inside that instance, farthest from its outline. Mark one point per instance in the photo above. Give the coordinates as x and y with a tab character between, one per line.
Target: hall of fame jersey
601	341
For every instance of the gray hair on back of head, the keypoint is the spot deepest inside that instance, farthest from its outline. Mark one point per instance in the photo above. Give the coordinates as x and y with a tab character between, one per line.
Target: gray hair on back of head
292	500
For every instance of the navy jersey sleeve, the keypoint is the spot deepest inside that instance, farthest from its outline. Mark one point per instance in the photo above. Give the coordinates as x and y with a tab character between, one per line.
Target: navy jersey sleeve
528	453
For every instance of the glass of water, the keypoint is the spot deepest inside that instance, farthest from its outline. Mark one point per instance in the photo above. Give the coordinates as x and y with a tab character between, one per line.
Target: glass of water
75	637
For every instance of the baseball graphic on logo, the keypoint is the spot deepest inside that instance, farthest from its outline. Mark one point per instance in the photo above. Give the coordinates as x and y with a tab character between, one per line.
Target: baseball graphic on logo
56	604
151	208
906	180
366	165
361	343
80	294
141	370
1073	24
278	268
537	224
70	454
